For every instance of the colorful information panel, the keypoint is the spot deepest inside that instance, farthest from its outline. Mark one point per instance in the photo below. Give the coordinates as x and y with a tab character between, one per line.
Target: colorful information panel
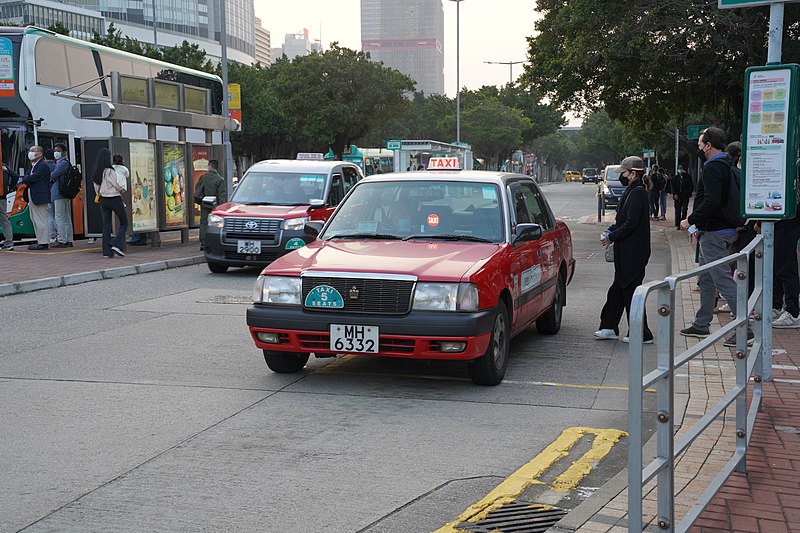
6	68
174	171
200	156
770	142
144	211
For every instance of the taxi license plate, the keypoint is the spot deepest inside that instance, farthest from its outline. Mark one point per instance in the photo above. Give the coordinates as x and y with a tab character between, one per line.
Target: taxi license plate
248	247
354	339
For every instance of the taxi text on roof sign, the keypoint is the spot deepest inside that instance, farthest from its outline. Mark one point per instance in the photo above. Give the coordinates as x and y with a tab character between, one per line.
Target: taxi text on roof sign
444	163
305	156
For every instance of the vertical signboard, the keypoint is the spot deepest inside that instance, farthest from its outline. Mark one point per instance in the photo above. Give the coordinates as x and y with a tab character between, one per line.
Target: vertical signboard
144	207
6	68
770	137
173	172
93	224
201	154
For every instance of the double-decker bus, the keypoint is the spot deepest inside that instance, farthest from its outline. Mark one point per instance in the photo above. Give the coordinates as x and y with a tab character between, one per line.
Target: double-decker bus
43	74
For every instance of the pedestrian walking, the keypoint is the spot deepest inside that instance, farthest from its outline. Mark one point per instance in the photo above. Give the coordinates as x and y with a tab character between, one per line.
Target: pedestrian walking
630	236
209	184
681	188
9	185
716	216
62	206
107	185
37	179
658	183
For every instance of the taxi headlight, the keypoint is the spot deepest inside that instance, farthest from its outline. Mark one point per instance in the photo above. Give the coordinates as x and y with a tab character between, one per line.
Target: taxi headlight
294	224
216	221
446	297
277	290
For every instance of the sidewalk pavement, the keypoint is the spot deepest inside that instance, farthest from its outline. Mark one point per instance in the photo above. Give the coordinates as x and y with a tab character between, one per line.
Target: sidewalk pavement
22	270
767	498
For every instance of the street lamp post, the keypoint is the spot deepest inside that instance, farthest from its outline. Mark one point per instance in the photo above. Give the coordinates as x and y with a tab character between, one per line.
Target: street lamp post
458	70
510	67
226	136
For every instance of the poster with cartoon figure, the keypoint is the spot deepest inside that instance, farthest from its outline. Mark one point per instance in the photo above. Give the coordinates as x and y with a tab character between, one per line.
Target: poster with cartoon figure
200	158
173	174
144	213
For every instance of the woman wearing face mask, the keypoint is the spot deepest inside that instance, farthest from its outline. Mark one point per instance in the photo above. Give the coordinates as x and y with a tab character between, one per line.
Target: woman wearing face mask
630	236
106	185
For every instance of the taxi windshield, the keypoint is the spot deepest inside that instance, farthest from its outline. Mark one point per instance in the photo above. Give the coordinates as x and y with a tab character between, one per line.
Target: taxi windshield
279	188
420	210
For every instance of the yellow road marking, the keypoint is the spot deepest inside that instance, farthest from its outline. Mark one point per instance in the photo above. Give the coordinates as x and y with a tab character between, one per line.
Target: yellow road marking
507	491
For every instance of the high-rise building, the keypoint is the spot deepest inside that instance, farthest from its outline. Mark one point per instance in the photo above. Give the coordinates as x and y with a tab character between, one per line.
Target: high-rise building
196	21
407	35
296	44
263	45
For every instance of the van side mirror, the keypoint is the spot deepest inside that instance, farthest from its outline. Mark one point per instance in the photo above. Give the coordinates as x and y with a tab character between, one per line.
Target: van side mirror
312	228
316	203
527	232
209	201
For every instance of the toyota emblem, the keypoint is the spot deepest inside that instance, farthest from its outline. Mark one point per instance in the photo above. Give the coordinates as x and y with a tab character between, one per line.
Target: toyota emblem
251	224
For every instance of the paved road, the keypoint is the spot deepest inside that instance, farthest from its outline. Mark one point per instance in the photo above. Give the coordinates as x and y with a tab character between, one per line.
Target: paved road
140	404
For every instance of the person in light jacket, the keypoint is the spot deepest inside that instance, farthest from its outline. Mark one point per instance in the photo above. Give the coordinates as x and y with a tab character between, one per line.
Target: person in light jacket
630	235
106	185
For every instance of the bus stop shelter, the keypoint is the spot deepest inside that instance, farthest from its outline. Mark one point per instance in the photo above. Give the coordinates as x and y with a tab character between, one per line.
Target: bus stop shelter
408	154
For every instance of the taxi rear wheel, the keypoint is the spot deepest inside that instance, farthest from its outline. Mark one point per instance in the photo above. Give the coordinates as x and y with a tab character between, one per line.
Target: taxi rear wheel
285	362
490	368
550	322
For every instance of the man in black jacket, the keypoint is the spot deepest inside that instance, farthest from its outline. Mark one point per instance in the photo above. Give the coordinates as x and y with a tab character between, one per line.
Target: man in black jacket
717	229
681	187
38	181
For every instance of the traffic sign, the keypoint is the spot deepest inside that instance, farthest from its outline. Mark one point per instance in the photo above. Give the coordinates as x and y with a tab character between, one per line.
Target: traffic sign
693	132
648	152
392	145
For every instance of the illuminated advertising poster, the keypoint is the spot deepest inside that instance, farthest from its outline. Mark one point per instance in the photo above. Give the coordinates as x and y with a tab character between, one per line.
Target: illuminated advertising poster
6	68
144	213
174	184
200	158
767	127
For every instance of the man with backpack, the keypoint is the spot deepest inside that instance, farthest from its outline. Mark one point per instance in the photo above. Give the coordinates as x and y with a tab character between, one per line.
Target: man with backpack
716	216
9	185
62	204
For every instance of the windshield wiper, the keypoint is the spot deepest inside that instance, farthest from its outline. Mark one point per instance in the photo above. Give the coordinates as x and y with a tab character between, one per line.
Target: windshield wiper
379	236
257	203
448	237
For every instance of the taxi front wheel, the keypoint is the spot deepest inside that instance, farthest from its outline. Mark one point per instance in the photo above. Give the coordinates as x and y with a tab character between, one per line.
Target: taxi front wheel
490	368
285	362
550	322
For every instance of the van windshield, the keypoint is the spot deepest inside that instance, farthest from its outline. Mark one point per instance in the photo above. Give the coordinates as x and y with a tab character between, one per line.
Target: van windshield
279	188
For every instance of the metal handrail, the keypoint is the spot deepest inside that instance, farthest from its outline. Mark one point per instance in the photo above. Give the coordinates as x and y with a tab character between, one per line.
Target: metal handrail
662	378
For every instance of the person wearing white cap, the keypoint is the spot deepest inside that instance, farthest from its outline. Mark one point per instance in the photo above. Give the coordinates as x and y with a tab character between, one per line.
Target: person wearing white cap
630	235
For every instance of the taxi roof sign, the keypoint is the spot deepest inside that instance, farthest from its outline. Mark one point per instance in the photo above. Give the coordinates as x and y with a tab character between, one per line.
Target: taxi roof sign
310	156
444	163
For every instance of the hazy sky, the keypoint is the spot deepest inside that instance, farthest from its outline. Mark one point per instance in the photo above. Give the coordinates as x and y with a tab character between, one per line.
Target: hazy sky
488	33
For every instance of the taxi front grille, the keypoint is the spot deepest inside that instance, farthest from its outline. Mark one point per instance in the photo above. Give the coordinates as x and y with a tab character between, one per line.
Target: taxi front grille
263	229
263	257
387	345
381	296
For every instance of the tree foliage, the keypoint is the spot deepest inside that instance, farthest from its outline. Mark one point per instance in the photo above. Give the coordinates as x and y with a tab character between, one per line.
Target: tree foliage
652	63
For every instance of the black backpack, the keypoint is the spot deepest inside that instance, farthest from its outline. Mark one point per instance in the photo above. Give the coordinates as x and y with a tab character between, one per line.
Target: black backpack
69	185
730	197
10	179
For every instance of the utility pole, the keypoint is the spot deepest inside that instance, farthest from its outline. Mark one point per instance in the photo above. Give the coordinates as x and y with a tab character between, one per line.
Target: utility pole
226	136
155	28
458	70
510	67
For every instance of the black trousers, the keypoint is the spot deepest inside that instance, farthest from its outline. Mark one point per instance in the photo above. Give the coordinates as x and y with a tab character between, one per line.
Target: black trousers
786	284
681	209
108	205
618	300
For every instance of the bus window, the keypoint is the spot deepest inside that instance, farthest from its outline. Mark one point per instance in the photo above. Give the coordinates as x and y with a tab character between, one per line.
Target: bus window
51	64
82	69
112	63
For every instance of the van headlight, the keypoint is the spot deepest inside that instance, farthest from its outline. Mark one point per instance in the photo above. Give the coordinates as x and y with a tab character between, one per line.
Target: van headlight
606	190
281	290
295	224
215	221
446	297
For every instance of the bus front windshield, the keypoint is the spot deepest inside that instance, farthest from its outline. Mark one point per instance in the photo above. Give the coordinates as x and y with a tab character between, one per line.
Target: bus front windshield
279	188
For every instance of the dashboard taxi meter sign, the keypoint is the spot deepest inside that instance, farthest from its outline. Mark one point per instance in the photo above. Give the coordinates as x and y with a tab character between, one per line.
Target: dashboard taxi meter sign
444	163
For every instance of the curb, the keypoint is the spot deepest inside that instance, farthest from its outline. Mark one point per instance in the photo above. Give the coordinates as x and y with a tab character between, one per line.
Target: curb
7	289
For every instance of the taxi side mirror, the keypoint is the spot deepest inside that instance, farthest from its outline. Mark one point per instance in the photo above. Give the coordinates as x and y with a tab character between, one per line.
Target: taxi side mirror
527	232
316	204
209	201
312	228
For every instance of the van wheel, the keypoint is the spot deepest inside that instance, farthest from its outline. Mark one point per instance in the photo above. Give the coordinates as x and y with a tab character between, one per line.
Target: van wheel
550	322
490	368
217	268
285	362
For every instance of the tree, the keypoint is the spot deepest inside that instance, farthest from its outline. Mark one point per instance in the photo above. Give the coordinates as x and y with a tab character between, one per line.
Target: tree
59	28
336	96
651	63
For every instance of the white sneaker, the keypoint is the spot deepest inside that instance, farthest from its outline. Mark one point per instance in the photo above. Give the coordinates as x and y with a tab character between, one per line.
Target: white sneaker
627	340
786	321
724	308
606	334
776	314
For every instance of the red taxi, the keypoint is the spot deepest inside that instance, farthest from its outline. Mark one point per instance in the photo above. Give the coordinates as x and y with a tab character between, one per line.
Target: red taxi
428	265
265	216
